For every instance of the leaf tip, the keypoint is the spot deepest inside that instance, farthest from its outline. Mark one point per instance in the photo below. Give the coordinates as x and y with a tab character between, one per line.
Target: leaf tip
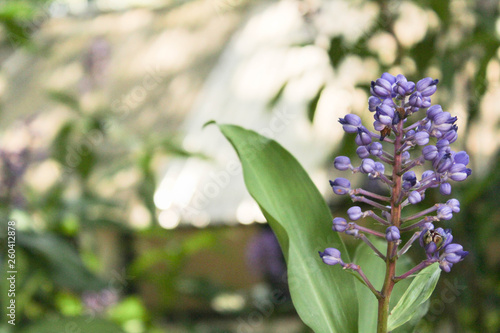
210	122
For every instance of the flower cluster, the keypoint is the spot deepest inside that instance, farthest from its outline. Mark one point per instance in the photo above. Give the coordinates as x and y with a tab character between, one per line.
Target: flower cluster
393	100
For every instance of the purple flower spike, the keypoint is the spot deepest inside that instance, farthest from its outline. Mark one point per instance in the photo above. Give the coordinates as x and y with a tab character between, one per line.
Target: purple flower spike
367	165
414	197
339	224
350	123
444	213
362	152
422	138
363	138
354	213
331	256
342	163
392	234
445	189
393	101
340	186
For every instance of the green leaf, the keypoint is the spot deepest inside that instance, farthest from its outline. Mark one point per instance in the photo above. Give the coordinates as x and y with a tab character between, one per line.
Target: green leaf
324	296
374	269
417	293
60	260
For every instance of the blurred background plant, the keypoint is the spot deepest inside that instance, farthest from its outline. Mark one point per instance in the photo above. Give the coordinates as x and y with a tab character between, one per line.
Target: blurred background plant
97	102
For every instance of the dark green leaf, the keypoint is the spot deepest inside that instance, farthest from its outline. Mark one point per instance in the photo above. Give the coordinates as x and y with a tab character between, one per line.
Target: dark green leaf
324	296
60	260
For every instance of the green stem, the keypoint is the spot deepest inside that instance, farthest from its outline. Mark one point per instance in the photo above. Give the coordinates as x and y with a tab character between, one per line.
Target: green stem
390	271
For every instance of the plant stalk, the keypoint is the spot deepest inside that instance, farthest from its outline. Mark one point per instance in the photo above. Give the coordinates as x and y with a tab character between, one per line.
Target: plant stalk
390	271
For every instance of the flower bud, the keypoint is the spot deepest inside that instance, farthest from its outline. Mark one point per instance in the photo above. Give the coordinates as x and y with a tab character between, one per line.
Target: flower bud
458	172
378	126
331	256
379	167
389	77
414	197
409	180
350	123
363	138
444	213
422	138
392	234
461	157
385	114
443	145
430	152
443	162
373	102
375	149
433	111
354	213
381	88
403	87
342	163
339	224
451	135
426	101
362	152
340	186
416	99
454	204
445	189
441	118
367	165
425	83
